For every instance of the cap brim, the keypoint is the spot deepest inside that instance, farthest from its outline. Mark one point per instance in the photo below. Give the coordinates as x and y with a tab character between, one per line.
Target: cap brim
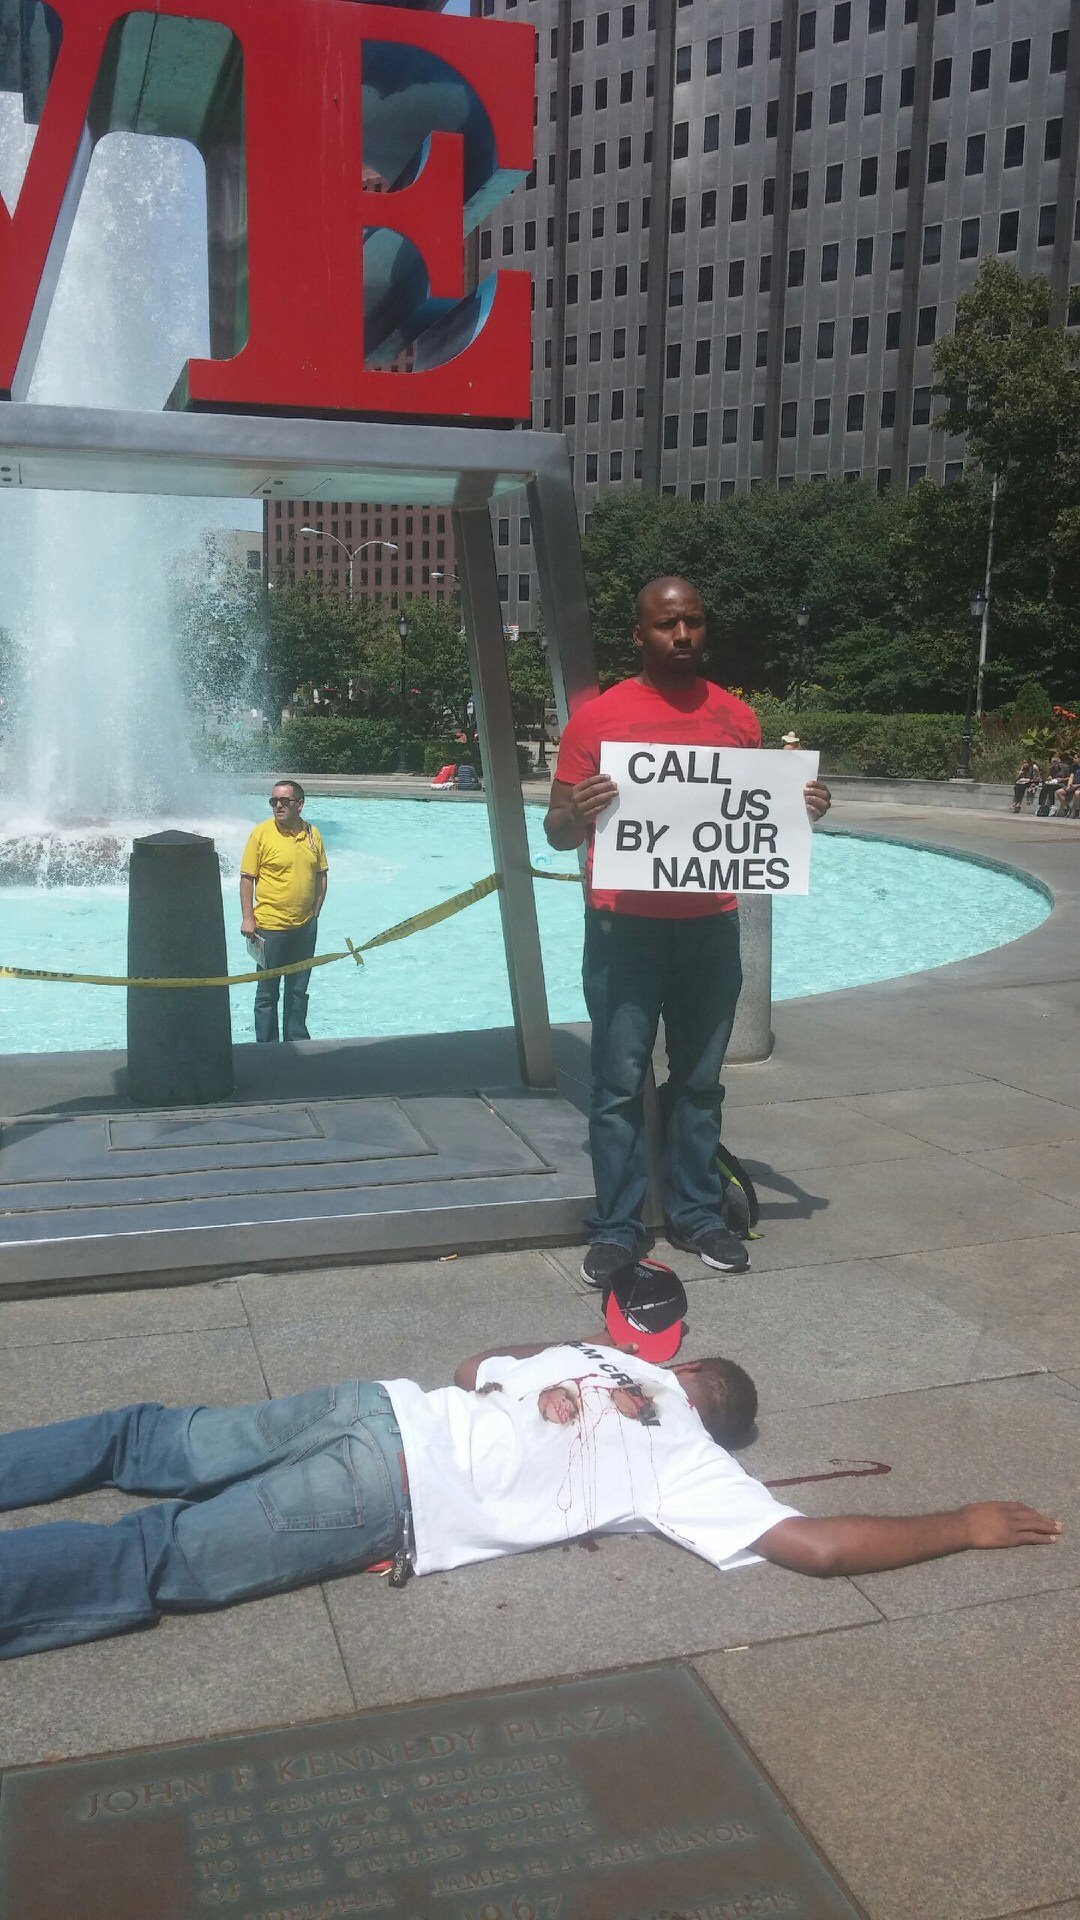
657	1347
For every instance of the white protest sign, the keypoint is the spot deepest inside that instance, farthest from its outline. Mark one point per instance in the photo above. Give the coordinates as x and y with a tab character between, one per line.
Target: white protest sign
703	820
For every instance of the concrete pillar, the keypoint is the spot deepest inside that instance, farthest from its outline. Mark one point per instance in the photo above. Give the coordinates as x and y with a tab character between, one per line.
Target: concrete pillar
752	1036
179	1040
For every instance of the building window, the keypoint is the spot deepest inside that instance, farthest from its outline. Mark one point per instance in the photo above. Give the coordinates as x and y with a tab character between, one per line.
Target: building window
792	345
524	586
699	430
789	419
1008	232
678	214
864	256
618	344
969	238
888	407
618	401
931	246
1047	224
907	86
807	32
675	288
954	471
804	111
942	83
860	332
601	29
620	279
903	168
822	412
856	412
570	350
834	183
1014	147
841	22
927	327
703	356
764	278
596	284
736	277
594	348
868	175
738	201
937	156
920	407
772	118
872	93
796	267
892	328
1052	140
826	339
571	289
628	23
757	429
980	70
707	216
680	145
1059	50
1020	60
838	103
592	467
713	60
671	431
705	283
710	134
673	362
768	196
830	261
732	354
683	58
975	157
761	354
800	187
776	39
626	149
745	54
742	127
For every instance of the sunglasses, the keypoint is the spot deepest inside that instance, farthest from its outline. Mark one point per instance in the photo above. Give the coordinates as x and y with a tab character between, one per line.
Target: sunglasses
277	800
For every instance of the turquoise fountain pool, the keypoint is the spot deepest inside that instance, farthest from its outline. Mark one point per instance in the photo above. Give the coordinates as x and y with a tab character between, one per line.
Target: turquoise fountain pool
876	910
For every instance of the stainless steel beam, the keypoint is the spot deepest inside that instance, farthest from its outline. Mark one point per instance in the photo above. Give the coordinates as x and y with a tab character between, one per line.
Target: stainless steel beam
502	784
553	515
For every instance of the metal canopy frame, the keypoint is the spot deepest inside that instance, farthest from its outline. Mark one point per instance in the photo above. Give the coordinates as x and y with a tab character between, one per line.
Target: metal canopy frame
262	457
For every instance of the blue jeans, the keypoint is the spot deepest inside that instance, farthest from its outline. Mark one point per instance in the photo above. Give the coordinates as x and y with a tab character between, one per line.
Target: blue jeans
636	969
283	946
267	1497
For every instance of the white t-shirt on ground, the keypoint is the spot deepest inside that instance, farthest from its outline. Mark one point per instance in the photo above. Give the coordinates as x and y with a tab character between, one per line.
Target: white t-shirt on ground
578	1439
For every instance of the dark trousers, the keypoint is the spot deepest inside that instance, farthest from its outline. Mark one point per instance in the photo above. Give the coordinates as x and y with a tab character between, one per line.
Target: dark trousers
283	946
637	969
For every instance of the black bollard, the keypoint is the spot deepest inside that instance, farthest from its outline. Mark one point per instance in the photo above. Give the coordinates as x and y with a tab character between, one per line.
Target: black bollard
179	1040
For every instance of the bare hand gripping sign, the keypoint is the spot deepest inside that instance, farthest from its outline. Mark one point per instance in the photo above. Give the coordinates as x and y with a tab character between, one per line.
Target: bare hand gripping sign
704	820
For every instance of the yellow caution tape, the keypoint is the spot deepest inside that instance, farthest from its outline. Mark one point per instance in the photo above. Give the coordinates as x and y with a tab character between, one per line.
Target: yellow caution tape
430	917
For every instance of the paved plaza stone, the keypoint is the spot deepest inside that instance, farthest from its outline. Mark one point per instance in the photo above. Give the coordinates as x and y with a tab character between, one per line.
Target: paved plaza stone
911	1306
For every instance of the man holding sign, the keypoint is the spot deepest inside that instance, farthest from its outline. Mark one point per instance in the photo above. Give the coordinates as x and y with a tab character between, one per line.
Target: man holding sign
661	926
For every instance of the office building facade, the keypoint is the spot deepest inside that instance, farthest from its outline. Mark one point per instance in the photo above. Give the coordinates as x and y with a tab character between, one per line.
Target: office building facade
749	221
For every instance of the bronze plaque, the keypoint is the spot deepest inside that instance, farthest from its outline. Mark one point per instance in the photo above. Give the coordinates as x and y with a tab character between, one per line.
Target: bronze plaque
624	1797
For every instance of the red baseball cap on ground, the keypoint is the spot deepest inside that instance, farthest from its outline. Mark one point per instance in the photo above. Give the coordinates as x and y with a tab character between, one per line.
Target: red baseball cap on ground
644	1307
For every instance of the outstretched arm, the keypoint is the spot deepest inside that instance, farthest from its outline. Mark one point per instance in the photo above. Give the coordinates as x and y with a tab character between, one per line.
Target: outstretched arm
861	1543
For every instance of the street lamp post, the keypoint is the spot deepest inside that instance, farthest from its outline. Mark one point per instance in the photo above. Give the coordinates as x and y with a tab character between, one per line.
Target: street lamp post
802	621
978	607
402	759
316	533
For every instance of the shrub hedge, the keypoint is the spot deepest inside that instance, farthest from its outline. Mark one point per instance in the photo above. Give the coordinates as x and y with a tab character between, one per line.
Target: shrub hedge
899	746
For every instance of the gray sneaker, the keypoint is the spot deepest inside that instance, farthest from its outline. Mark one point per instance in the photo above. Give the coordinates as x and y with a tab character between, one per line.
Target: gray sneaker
718	1248
603	1260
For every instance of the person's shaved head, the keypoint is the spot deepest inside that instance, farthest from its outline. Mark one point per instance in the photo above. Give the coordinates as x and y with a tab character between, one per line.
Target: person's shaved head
664	584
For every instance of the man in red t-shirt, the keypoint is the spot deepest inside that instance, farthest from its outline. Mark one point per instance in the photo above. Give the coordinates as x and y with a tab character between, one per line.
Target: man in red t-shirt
647	954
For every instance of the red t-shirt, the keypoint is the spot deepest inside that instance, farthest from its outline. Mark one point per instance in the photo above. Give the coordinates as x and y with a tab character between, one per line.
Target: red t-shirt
703	715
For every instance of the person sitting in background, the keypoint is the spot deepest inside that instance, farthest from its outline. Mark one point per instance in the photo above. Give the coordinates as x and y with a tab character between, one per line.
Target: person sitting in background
467	780
1053	780
790	743
1068	800
1028	778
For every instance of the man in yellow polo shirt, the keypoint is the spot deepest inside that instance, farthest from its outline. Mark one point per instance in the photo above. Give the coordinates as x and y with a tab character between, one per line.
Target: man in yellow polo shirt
282	888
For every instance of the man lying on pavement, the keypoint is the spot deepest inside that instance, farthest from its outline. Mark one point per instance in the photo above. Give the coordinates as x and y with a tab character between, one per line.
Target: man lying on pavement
530	1447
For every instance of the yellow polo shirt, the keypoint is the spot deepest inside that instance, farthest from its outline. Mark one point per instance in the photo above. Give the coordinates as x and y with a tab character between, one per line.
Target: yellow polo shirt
285	868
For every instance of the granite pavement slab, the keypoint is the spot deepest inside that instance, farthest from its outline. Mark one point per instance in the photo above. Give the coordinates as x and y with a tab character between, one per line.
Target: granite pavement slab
1028	1039
963	1119
1050	1166
800	1134
859	1212
269	1662
112	1316
818	1334
1025	1291
1013	1439
936	1762
619	1601
514	1274
59	1381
